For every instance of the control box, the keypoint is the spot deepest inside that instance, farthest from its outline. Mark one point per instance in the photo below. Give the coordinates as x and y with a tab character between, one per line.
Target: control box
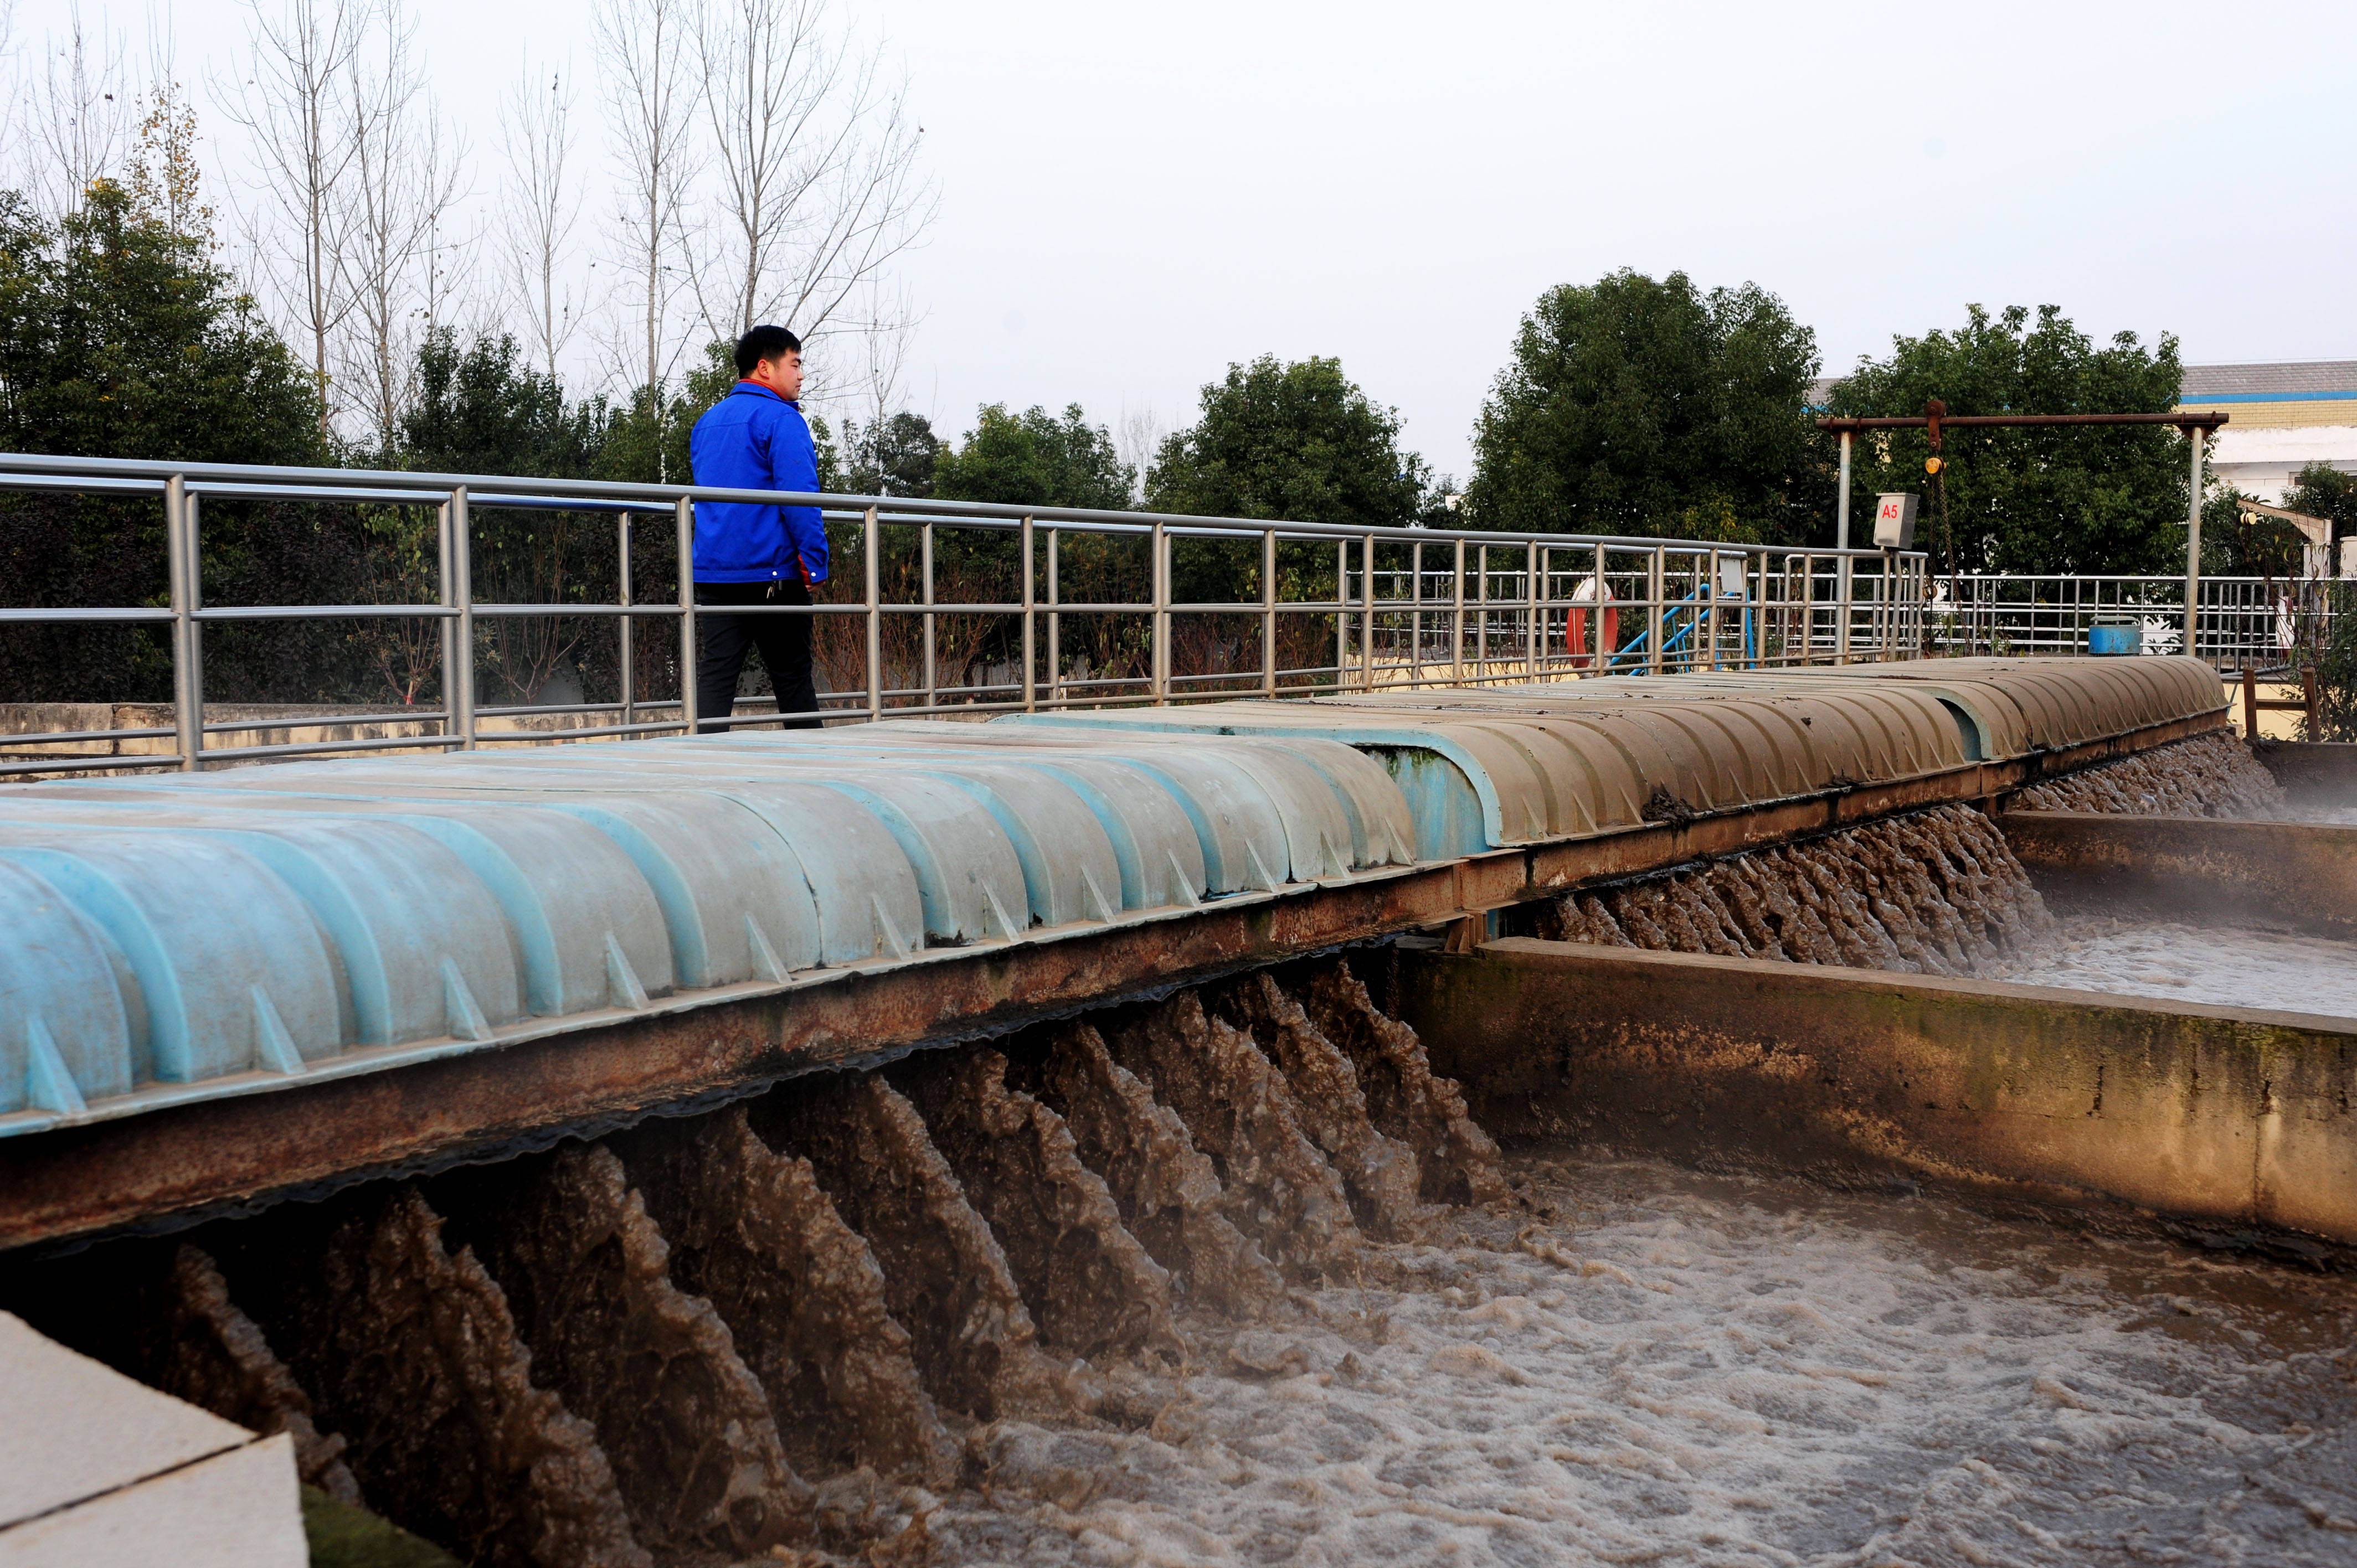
1894	521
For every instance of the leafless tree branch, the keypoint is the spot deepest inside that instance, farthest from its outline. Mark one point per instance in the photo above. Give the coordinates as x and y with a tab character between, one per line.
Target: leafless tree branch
78	115
540	209
819	187
650	94
404	181
294	218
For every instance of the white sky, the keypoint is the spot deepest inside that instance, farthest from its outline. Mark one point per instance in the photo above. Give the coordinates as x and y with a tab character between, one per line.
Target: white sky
1132	197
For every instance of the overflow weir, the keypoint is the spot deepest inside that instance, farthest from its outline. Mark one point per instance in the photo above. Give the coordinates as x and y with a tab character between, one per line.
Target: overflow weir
690	1150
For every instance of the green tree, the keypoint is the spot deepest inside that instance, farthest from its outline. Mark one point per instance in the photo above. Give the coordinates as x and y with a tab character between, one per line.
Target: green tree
2319	490
486	409
892	457
1034	458
2037	500
120	338
1638	406
1296	441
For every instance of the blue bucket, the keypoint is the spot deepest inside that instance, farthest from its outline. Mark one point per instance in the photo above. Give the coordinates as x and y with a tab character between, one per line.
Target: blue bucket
2113	642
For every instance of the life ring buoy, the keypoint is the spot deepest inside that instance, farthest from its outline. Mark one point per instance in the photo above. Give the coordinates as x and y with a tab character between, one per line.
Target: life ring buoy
1574	624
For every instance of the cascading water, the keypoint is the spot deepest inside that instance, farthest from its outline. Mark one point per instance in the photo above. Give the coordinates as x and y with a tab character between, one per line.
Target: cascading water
686	1427
1089	1284
2211	775
778	1325
1280	1190
1936	892
410	1353
1595	1359
753	1233
1169	1193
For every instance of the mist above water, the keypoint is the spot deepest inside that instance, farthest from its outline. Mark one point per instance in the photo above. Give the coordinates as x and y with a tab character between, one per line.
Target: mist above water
1655	1366
2192	963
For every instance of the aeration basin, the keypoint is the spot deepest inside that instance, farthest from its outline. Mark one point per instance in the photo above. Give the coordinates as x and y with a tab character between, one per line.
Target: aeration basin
268	979
945	1142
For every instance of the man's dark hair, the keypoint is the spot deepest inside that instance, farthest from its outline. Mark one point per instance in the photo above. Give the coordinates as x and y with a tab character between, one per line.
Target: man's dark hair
764	343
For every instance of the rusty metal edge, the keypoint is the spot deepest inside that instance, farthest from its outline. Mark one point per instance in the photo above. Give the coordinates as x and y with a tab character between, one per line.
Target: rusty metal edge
183	1162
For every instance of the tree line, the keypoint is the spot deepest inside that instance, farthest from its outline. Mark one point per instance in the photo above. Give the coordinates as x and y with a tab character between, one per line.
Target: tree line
753	160
346	332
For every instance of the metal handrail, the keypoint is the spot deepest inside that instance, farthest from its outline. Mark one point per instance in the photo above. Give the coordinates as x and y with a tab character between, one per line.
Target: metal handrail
1480	608
2239	621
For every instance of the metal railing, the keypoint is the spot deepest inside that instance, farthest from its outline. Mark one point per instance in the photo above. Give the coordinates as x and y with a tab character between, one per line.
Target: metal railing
2239	622
1334	608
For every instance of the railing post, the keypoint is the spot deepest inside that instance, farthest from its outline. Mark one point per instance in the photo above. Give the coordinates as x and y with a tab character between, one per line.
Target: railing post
1656	593
1841	638
444	627
1055	623
1367	614
626	642
460	674
1603	597
2193	434
1456	620
1530	624
1416	616
1341	614
871	547
684	516
1841	502
1268	612
1159	578
1710	566
1030	624
188	677
925	566
1481	625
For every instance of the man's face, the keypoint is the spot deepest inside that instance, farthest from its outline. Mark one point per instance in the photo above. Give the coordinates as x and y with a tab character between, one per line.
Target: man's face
782	375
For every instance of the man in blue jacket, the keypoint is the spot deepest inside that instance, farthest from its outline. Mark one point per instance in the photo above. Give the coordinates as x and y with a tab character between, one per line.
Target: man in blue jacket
755	439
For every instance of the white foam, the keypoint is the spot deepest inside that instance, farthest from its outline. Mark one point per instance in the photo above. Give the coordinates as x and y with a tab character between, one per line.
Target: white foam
1676	1369
2192	963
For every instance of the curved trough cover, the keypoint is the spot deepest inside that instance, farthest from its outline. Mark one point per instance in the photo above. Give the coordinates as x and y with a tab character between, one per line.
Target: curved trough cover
1491	768
2061	702
182	937
231	931
1989	723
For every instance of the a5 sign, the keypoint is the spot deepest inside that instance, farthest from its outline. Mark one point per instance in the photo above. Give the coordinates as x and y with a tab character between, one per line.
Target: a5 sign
1894	521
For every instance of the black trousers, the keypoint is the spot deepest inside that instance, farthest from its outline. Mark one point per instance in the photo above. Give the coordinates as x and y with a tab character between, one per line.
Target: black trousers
722	639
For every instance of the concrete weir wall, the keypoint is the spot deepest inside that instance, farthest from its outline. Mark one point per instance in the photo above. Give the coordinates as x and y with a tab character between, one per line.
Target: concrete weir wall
2223	1116
2271	874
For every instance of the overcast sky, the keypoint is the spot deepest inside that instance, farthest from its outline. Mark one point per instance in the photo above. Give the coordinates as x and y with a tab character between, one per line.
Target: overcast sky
1132	197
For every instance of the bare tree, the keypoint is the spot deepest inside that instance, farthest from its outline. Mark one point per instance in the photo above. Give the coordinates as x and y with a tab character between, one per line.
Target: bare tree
292	104
651	104
404	180
1139	437
79	116
540	210
816	165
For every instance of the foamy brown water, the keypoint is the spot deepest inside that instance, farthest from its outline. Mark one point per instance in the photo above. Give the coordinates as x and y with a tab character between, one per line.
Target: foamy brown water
2192	963
1655	1366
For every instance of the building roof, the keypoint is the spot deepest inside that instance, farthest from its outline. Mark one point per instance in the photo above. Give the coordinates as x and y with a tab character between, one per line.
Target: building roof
2293	381
2276	381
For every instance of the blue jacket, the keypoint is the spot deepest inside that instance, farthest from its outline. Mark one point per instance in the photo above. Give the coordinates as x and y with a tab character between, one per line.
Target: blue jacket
755	440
